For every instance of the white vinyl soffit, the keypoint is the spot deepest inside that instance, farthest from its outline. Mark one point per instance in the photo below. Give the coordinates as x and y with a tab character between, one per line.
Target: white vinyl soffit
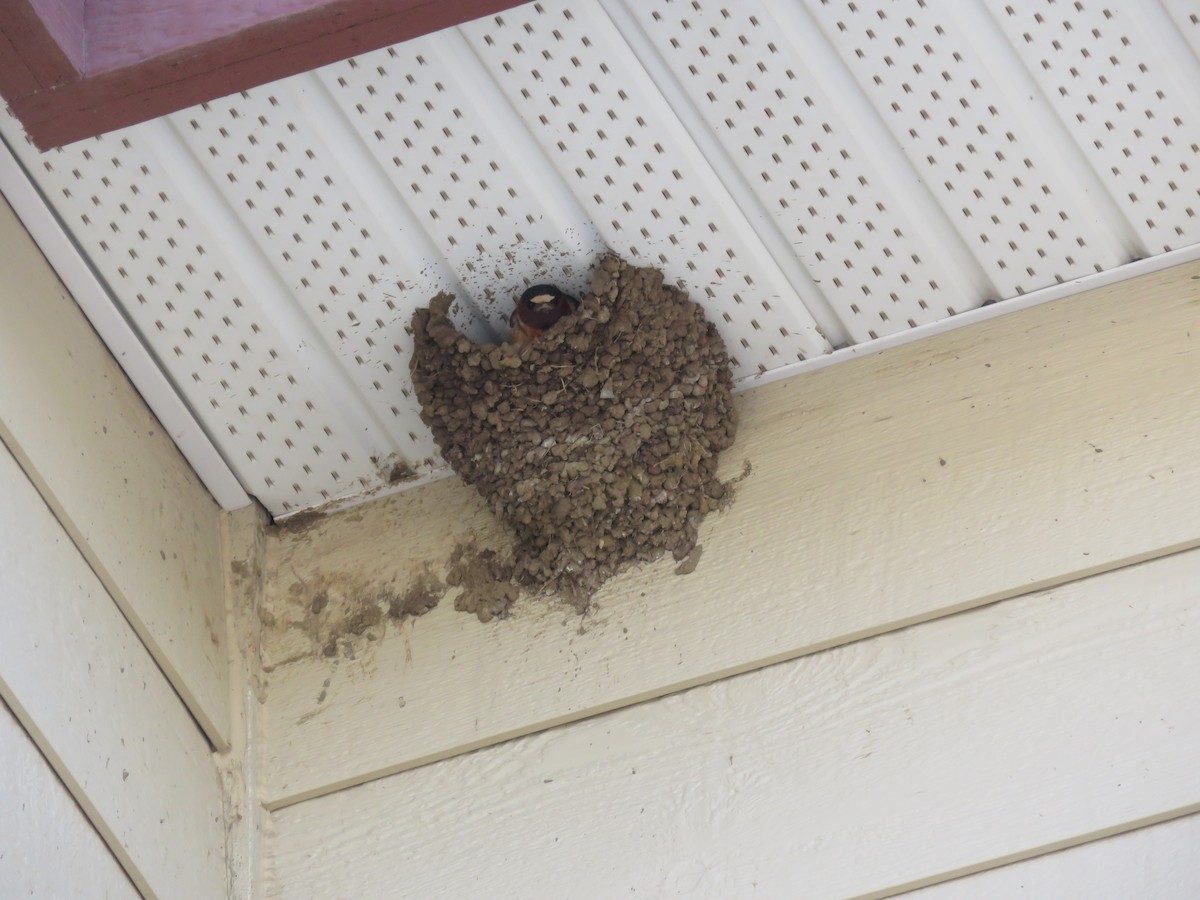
819	175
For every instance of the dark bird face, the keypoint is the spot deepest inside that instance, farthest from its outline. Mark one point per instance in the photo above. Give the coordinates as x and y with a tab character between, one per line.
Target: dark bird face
538	309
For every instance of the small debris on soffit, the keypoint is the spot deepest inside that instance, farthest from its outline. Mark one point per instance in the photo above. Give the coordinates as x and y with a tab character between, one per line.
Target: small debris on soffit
815	175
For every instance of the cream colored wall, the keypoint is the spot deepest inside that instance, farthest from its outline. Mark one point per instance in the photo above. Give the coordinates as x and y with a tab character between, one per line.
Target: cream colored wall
50	849
91	697
1000	734
113	650
1155	862
113	477
912	710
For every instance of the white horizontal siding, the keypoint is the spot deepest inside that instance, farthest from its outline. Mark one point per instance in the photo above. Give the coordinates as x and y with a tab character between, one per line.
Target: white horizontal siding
901	759
91	696
48	848
1157	862
113	477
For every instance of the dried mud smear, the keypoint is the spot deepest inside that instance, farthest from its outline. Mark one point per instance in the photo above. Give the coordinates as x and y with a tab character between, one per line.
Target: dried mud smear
423	595
596	443
336	610
485	577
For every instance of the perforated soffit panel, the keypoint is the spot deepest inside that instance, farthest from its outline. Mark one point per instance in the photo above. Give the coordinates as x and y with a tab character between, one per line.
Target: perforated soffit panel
816	173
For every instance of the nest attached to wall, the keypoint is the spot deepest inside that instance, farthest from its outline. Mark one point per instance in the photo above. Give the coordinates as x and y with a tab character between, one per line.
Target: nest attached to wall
597	442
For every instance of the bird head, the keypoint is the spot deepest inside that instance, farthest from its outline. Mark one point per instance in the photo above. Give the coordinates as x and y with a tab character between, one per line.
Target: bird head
538	309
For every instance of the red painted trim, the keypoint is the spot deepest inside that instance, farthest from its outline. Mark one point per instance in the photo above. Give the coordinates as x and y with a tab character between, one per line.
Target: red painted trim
101	101
30	58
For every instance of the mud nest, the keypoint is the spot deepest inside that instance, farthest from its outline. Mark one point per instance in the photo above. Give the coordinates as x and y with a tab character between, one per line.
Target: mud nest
597	442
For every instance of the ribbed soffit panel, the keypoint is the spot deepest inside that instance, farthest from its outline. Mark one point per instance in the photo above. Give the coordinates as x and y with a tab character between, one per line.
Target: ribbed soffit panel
816	173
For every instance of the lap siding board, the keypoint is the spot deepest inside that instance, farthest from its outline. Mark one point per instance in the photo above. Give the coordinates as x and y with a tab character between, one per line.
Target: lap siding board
104	464
1156	862
85	688
50	848
975	740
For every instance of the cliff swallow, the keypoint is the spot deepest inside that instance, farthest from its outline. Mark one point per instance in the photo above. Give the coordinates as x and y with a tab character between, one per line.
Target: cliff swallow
538	309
